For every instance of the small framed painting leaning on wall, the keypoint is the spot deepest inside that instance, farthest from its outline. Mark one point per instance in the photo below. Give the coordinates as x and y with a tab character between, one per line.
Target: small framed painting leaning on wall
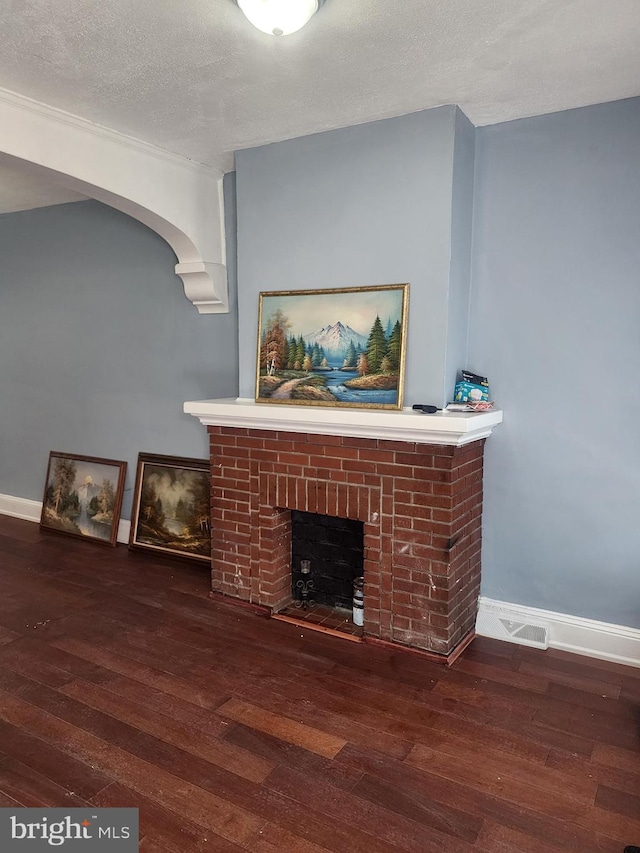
83	496
335	347
171	513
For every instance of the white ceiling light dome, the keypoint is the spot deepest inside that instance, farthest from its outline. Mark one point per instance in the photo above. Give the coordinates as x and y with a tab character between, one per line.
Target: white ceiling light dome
279	17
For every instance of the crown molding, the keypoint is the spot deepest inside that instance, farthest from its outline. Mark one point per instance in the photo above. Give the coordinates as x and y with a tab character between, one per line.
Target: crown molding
178	198
85	126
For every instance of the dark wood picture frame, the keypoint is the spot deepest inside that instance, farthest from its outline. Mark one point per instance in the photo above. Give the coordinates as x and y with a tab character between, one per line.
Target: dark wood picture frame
83	496
171	507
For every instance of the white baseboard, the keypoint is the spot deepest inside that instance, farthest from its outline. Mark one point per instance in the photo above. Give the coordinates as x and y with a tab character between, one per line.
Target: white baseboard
31	511
575	634
20	508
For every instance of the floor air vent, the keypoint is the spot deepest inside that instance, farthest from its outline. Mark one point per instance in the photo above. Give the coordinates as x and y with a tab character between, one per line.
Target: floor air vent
525	633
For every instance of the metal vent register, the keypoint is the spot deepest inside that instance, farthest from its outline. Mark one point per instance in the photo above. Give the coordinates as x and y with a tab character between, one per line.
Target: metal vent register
525	633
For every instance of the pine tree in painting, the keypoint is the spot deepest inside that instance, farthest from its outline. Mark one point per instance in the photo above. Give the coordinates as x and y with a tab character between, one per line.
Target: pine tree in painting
351	358
394	347
376	346
363	365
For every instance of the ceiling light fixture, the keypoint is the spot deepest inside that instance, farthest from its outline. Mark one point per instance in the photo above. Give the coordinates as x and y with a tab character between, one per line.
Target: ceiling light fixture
279	17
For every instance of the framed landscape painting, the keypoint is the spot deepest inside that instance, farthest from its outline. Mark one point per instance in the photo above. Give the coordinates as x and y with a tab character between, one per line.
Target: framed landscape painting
338	347
83	496
171	512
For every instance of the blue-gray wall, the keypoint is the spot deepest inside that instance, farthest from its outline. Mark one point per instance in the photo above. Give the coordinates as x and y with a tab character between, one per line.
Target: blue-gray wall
99	347
555	324
456	356
359	206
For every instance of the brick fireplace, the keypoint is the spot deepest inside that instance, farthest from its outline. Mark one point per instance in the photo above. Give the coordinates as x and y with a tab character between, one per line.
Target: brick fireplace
417	489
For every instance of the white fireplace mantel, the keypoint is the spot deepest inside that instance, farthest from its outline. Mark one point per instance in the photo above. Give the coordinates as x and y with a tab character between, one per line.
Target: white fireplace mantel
451	428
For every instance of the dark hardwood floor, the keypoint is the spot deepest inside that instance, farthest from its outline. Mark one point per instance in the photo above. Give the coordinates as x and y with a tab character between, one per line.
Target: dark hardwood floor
123	684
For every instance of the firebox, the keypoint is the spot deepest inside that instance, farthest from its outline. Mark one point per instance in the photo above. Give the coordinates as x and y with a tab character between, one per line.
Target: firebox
331	550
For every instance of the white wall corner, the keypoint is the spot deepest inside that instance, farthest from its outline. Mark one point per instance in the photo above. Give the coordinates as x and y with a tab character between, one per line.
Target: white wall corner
179	199
32	510
588	637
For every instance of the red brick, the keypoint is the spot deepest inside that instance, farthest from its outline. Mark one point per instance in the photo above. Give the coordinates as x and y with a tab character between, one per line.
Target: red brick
338	452
401	446
356	465
324	440
407	485
222	441
377	456
410	460
323	463
349	441
393	470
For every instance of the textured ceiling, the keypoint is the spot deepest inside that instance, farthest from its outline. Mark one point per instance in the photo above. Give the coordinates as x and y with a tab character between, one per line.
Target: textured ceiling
193	76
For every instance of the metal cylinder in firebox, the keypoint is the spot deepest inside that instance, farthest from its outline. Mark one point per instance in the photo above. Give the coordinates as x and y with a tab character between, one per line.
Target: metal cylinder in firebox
358	601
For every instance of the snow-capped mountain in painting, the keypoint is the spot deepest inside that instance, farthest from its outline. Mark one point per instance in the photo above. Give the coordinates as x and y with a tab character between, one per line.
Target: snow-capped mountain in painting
87	490
334	340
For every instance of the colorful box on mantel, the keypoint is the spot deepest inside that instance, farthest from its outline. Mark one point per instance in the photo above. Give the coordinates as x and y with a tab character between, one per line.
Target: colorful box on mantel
470	388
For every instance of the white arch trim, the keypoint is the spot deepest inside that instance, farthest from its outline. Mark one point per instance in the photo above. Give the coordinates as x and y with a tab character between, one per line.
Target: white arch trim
179	199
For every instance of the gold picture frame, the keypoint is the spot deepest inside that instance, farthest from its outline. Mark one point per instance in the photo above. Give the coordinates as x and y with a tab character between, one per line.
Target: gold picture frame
333	347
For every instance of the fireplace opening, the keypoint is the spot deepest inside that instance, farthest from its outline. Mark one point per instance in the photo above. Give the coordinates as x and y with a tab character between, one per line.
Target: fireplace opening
333	549
327	555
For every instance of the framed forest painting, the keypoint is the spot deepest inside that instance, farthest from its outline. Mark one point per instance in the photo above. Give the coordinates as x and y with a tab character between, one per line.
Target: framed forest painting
339	347
171	513
83	496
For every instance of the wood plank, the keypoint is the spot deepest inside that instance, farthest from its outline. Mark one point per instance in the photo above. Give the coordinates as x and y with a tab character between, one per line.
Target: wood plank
503	763
576	680
620	802
495	780
374	822
7	802
574	766
195	717
74	776
428	788
275	839
281	727
403	801
32	789
604	728
523	681
156	822
212	749
331	722
174	685
558	659
495	838
280	752
613	756
462	693
7	636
